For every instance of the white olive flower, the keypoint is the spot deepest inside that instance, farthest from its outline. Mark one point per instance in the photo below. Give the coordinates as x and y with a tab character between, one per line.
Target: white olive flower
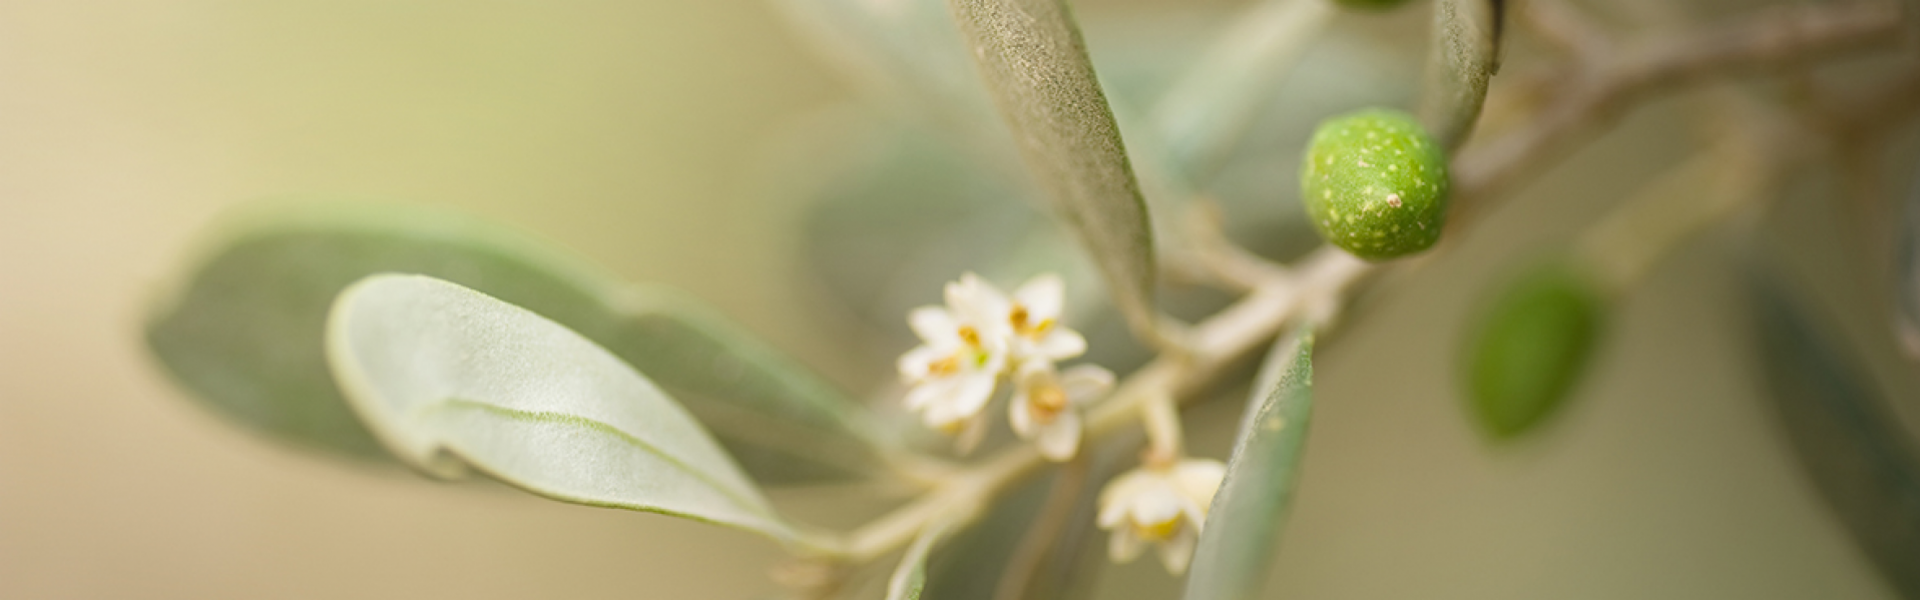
1034	316
1164	504
1045	407
964	352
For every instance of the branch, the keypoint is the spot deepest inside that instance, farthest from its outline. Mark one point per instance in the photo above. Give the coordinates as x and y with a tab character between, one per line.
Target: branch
1602	84
1215	344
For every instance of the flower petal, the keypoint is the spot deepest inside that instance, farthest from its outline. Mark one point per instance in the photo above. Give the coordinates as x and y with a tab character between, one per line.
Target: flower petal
1020	414
977	302
1124	546
1060	439
1059	343
916	363
1086	383
1042	296
1156	505
935	325
1199	479
1176	553
1117	497
929	393
972	390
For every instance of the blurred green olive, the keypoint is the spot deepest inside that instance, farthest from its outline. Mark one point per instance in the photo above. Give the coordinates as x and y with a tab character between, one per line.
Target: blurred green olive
1531	346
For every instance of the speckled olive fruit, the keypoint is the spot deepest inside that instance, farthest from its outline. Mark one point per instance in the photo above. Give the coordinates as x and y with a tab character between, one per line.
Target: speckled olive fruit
1375	184
1371	4
1531	348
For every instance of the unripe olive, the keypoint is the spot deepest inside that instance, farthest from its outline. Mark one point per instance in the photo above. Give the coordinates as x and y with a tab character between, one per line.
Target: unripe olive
1532	346
1375	184
1371	4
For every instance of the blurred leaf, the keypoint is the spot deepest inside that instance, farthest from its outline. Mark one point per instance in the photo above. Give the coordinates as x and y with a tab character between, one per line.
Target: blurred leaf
1039	74
910	578
1531	347
1838	423
1204	115
244	332
909	55
907	209
447	377
1243	526
893	225
1906	276
1462	57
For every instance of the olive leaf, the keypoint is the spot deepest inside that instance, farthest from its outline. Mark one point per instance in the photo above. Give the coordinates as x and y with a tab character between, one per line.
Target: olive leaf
907	54
1462	56
448	378
1040	77
1840	426
243	332
1906	276
1244	523
1215	103
910	578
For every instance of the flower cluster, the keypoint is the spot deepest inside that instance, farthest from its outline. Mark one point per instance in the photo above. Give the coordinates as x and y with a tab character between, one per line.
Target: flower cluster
982	336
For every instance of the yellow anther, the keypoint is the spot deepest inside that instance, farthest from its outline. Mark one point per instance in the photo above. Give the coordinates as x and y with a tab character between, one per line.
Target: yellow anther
1157	531
945	366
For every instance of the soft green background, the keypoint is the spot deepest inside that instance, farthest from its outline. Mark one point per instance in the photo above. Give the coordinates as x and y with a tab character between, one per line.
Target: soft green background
628	130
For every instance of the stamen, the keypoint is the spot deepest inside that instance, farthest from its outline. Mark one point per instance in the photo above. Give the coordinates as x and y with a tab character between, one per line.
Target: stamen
1018	317
1157	531
970	335
1050	398
945	366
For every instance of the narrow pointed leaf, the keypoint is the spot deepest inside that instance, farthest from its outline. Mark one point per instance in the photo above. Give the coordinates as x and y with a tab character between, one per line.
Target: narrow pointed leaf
1215	103
910	578
1906	276
1839	423
243	332
1243	526
447	377
907	54
1037	70
1462	56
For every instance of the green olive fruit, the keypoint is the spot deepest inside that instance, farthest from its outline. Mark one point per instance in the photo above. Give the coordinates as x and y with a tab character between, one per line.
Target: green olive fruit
1531	348
1375	184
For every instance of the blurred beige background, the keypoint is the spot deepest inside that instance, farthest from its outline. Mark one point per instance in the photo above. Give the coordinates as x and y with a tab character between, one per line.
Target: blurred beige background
622	129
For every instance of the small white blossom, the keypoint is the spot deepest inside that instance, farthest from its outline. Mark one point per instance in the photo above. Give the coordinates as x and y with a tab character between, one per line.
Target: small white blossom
1034	316
1164	504
1046	403
964	352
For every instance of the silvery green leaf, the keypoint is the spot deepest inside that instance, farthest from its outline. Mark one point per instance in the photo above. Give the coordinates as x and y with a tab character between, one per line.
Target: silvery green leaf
1244	523
448	378
243	331
1462	57
1038	74
1839	424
